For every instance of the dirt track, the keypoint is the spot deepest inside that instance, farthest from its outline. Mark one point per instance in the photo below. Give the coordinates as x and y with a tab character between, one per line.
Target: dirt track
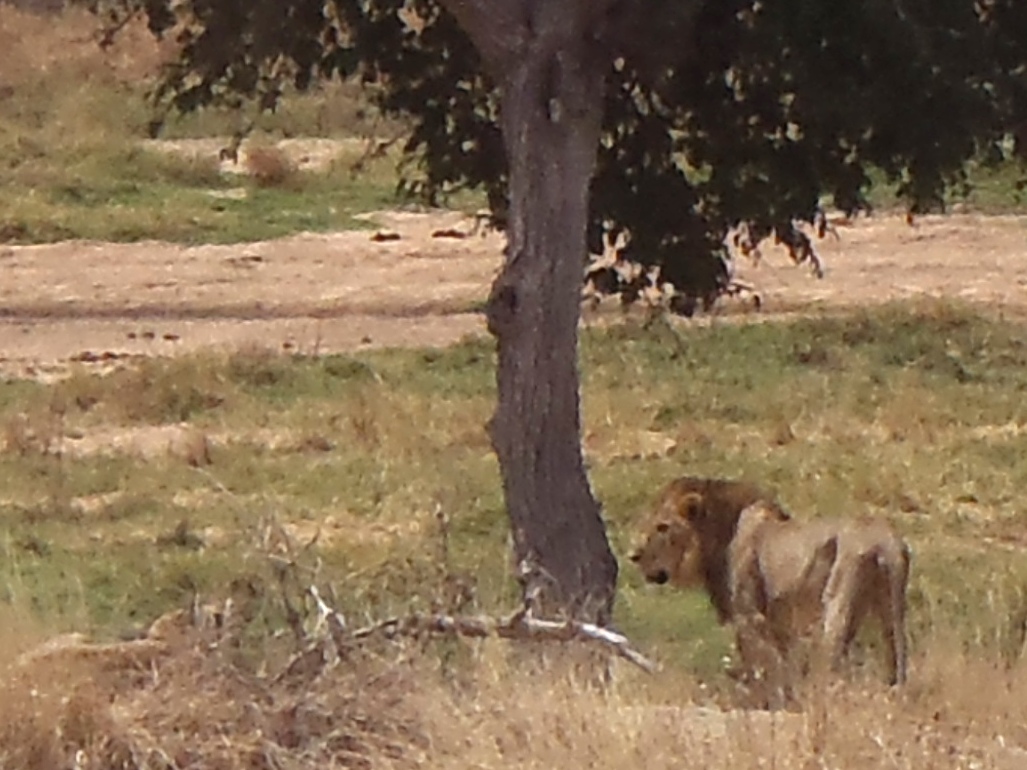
346	290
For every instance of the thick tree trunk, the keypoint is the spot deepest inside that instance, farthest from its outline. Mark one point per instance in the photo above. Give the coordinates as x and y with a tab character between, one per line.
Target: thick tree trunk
552	102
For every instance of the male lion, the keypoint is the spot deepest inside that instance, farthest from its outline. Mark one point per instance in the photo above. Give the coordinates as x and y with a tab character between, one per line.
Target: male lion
776	579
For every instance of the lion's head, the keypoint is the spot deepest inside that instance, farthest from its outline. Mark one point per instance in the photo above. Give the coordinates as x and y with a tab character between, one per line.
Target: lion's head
672	551
686	539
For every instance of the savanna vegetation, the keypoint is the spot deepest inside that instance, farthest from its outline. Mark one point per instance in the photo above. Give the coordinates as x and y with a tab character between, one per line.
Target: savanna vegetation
655	131
135	492
78	161
911	412
914	413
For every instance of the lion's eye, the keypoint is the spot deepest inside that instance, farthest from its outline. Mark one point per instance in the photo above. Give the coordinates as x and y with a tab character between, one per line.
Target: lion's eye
662	527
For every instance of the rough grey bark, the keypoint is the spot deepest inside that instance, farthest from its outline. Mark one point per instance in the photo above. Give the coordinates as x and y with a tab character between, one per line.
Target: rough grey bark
550	68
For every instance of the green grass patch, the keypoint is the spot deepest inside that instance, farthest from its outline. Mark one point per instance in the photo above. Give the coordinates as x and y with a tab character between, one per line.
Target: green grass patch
989	189
73	162
128	193
911	412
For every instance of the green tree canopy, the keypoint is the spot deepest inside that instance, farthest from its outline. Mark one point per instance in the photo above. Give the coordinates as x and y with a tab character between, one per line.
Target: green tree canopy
719	113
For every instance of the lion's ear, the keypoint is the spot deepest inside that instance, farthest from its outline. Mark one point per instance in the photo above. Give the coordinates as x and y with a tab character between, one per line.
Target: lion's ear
691	508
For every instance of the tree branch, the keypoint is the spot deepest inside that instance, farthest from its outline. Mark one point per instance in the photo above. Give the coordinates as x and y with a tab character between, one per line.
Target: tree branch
499	29
518	626
504	30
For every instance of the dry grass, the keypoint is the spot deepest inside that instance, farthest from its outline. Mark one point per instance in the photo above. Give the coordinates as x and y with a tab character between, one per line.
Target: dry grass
198	704
194	706
32	47
35	432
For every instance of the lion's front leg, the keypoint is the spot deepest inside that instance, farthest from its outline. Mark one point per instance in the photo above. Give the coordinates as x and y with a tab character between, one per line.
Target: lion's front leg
763	663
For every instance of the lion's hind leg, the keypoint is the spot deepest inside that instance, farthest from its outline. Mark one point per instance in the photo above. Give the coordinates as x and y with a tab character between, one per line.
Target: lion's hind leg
843	608
891	610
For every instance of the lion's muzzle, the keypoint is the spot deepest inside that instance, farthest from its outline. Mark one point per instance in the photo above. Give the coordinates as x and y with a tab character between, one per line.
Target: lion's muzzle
659	577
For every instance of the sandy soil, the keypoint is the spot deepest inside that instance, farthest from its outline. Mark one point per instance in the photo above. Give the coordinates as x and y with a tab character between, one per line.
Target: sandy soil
343	291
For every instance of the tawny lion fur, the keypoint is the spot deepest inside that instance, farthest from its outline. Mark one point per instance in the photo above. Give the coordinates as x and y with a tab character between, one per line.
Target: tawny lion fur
775	579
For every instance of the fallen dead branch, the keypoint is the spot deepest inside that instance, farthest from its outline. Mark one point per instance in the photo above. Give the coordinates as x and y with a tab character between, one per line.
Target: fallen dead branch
519	626
330	624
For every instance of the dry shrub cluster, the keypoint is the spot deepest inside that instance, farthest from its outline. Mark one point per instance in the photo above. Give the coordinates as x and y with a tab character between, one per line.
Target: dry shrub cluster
184	698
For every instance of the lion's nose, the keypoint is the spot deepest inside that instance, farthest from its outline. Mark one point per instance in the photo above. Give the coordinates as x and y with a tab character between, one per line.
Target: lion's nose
660	577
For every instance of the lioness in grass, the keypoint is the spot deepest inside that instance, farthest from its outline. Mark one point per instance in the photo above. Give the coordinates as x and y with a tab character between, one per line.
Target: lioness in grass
777	580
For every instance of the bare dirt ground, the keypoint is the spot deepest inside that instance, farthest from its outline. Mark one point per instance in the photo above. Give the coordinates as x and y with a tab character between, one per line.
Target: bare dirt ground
420	285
